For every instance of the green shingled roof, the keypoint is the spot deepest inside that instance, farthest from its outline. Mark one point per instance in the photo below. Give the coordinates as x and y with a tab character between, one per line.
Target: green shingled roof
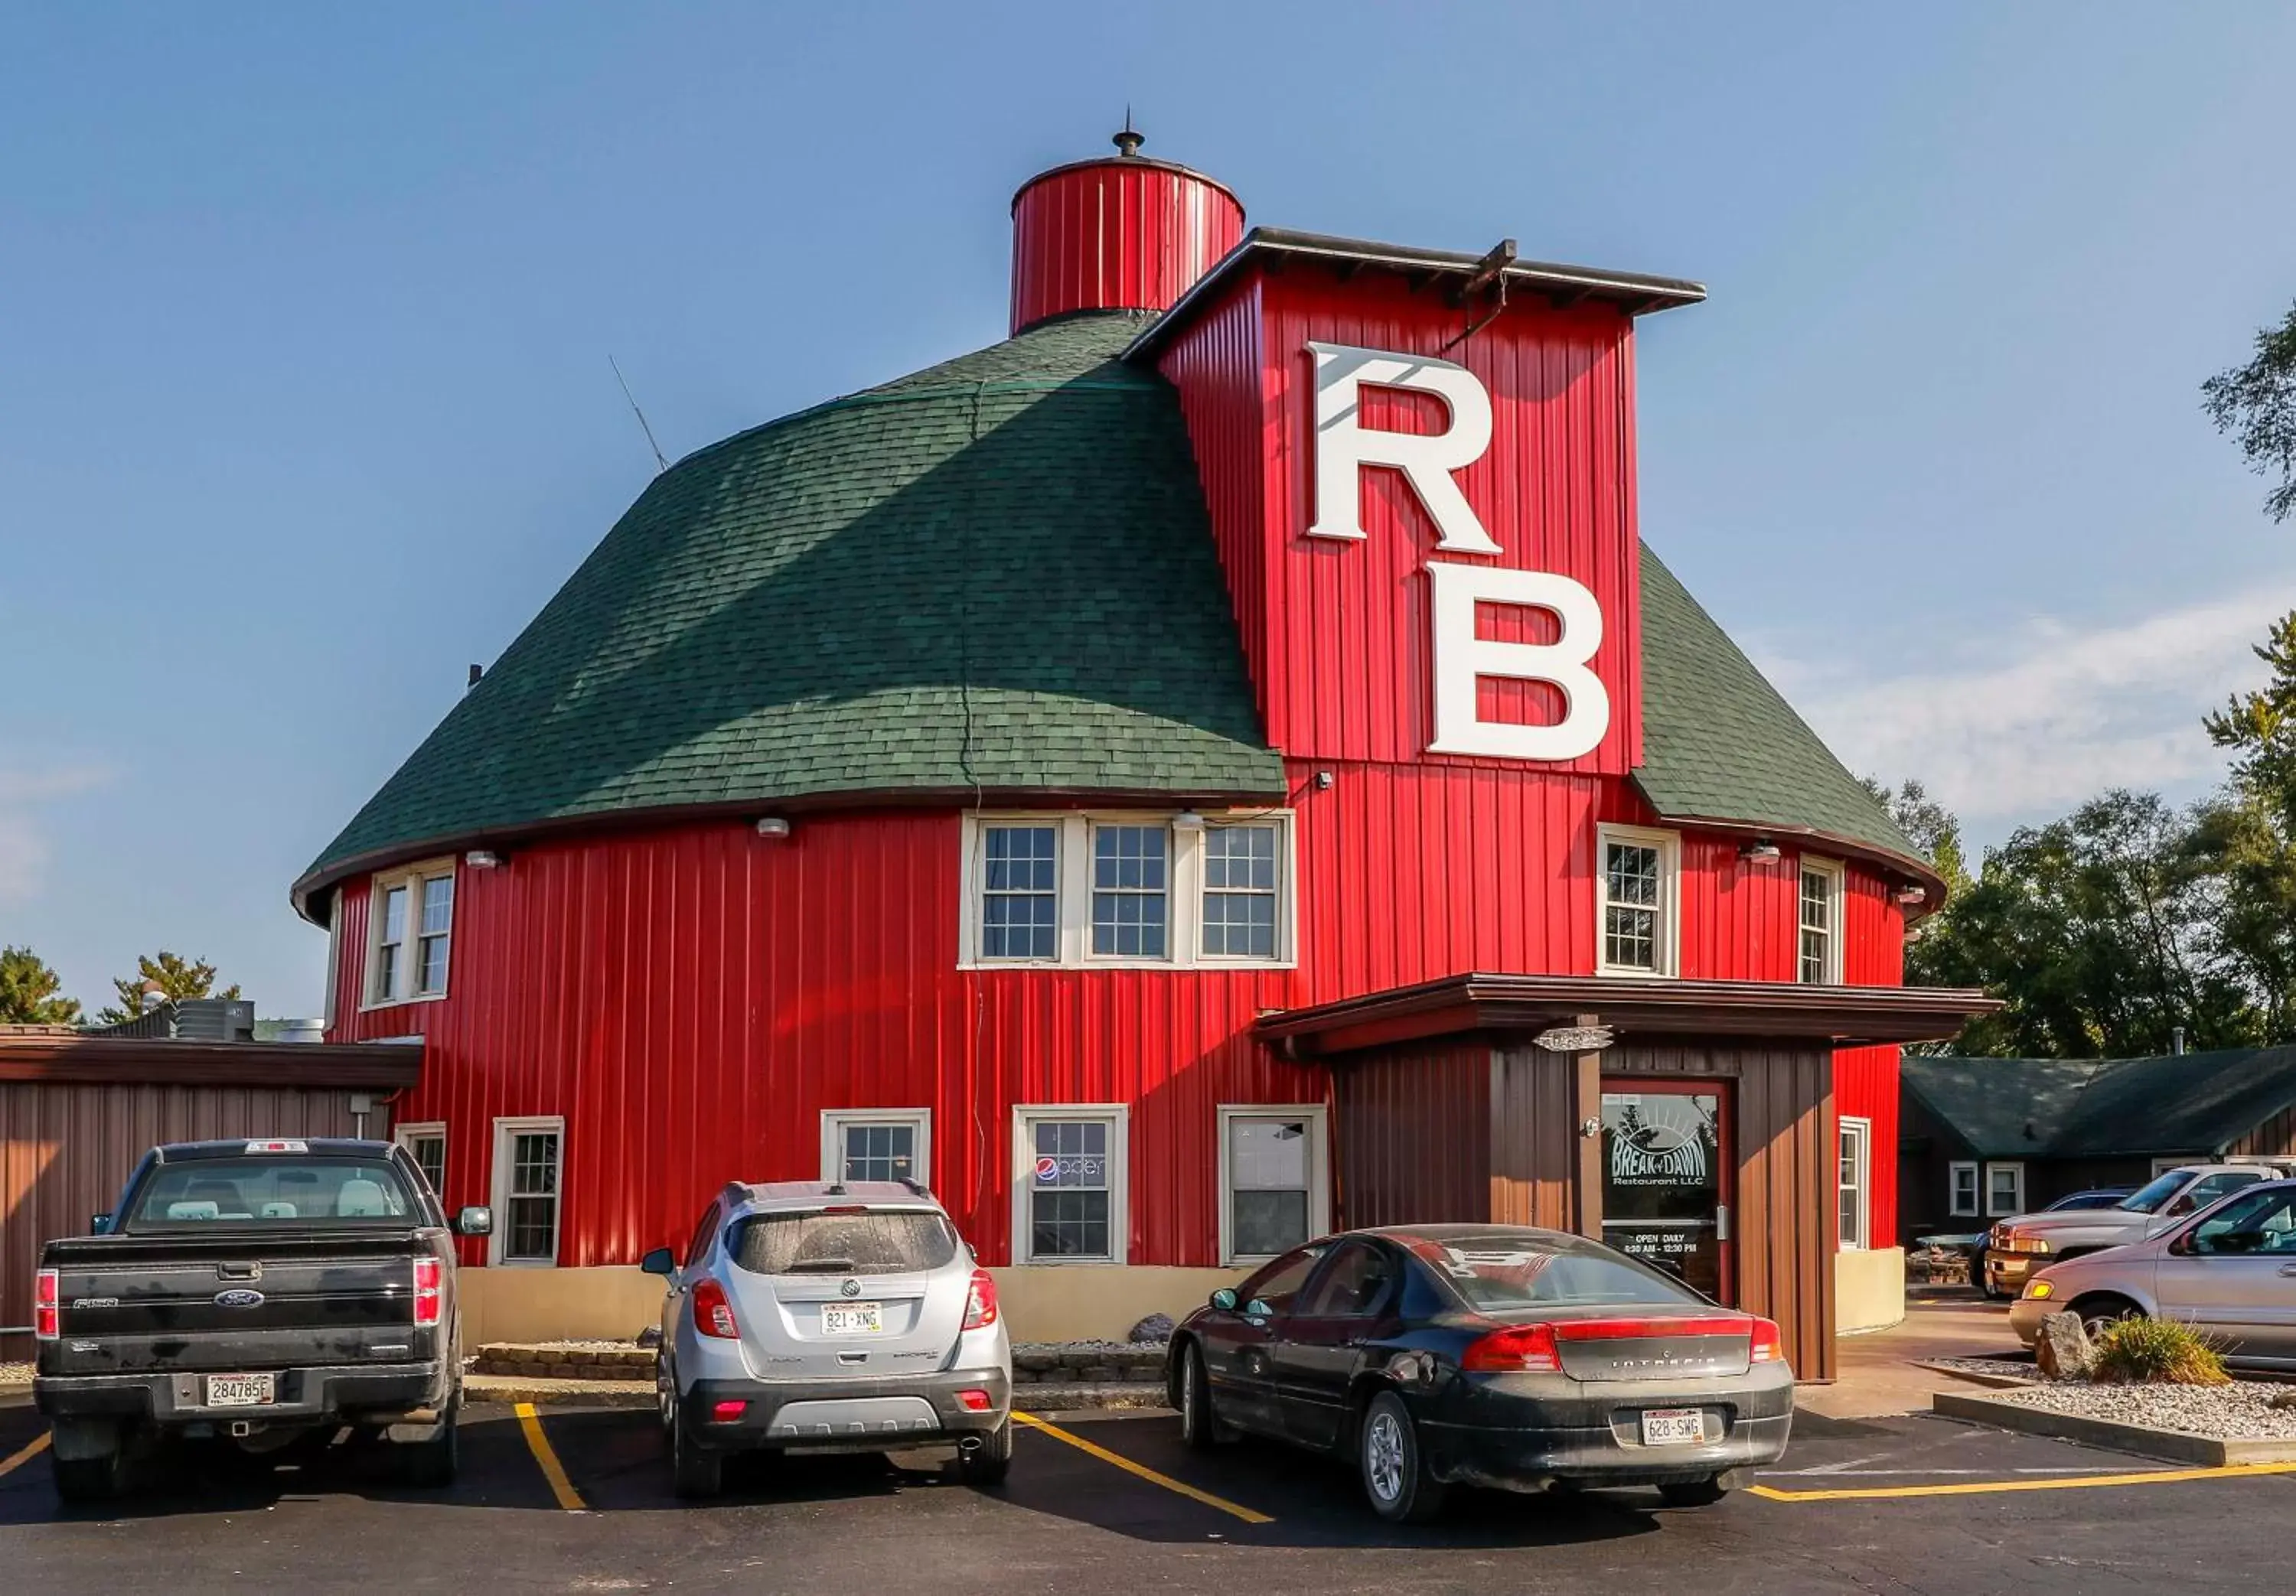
1719	743
935	586
2175	1104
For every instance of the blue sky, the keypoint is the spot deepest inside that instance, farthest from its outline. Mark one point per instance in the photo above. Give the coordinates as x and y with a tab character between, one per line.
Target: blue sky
305	315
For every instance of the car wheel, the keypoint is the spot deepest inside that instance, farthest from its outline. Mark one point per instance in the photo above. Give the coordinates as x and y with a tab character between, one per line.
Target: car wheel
1693	1493
99	1478
432	1464
694	1471
1199	1423
1395	1472
665	1389
2101	1313
989	1462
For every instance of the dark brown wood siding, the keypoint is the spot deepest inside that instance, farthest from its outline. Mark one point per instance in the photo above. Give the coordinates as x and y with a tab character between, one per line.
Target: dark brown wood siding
1534	1139
1414	1136
2275	1138
65	1152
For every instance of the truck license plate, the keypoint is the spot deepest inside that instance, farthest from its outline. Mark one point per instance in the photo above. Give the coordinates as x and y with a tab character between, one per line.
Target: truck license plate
852	1318
240	1390
1673	1426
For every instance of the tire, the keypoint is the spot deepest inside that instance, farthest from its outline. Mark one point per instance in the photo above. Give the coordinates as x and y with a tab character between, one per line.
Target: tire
695	1471
2097	1314
989	1463
665	1390
1200	1424
1693	1493
99	1478
1394	1470
431	1465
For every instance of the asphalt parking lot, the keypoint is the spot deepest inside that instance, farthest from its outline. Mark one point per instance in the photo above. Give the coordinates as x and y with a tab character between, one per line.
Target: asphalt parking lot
578	1499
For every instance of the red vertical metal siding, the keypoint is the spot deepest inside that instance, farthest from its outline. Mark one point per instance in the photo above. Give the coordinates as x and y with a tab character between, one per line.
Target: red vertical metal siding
1116	235
1865	1078
1343	628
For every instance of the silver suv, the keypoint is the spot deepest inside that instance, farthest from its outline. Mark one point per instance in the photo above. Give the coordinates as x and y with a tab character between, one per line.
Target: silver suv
846	1317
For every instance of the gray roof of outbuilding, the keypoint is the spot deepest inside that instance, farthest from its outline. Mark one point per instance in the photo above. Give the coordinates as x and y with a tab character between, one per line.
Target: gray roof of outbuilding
2103	1108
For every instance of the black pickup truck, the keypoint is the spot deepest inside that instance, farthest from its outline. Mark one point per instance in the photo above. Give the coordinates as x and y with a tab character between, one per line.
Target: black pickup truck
254	1292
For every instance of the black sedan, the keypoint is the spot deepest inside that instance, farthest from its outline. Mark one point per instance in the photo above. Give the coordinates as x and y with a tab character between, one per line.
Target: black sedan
1445	1355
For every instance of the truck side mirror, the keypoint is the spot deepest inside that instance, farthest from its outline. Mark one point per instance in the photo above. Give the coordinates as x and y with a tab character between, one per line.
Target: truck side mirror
474	1220
99	1224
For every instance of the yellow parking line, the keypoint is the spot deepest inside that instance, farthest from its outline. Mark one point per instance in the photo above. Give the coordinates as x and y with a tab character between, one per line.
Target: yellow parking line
546	1458
1178	1487
10	1464
2156	1477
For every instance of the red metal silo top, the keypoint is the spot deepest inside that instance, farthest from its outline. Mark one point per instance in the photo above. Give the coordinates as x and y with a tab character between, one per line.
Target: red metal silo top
1124	233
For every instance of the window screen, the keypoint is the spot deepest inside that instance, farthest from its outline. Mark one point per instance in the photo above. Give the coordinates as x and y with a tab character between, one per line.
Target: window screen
1630	911
1268	1183
1070	1192
1130	869
1019	896
1239	902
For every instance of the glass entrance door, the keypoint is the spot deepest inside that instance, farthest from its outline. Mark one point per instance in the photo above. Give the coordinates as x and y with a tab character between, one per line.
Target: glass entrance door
1666	1178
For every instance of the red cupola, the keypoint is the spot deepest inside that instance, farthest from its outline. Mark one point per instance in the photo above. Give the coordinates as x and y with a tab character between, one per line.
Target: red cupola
1124	233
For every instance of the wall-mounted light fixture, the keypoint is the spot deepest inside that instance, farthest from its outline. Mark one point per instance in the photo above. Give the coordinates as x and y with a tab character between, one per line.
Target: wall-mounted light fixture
773	826
1761	848
1912	893
1187	819
482	858
1324	779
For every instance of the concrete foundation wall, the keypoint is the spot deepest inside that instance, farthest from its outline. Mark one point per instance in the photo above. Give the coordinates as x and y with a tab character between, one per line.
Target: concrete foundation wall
616	1301
1869	1289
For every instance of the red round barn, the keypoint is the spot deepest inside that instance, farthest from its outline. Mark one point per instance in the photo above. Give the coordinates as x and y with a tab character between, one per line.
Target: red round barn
1219	766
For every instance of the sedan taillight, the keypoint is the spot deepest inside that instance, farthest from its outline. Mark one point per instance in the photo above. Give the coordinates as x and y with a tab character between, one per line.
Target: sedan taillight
1769	1345
46	1310
428	1300
713	1314
1519	1349
980	1302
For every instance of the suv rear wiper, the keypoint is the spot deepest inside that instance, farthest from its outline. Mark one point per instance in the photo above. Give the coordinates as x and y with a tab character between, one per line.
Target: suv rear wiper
824	1266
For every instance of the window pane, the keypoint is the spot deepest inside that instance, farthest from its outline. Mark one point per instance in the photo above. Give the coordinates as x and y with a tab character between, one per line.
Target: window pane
394	914
437	904
385	969
1269	1222
1632	873
1630	938
1265	1153
1239	899
1068	1224
430	964
1071	1213
1020	908
430	1155
881	1152
1128	879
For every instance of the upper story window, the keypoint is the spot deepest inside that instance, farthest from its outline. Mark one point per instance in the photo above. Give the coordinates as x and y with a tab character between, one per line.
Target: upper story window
1131	879
1019	892
1636	888
1819	948
1164	890
411	927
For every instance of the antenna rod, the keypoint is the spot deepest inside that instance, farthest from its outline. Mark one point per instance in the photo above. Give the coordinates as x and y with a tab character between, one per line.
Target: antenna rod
660	465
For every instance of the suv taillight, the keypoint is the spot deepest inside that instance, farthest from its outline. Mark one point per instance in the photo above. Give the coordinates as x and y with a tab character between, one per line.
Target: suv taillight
45	1308
427	1301
980	1302
713	1314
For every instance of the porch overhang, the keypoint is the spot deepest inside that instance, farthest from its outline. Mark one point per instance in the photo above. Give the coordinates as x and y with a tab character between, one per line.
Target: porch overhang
1630	1006
380	1066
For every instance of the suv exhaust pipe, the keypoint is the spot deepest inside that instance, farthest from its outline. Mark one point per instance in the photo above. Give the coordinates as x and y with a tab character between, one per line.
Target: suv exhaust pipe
969	1445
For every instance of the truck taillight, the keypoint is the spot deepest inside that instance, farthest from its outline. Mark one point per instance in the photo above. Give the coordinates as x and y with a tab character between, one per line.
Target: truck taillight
47	1309
428	1302
980	1302
713	1314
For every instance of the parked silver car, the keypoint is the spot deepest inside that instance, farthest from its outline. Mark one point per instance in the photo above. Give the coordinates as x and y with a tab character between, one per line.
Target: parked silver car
829	1317
2229	1272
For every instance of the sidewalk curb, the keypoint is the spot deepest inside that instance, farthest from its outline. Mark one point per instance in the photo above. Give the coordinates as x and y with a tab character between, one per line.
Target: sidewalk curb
2172	1446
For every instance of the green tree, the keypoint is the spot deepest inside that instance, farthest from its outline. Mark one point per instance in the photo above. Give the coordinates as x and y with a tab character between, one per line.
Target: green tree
1930	826
175	978
32	993
2256	403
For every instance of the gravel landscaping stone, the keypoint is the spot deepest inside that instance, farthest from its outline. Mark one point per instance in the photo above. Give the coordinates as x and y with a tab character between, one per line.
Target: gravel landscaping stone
2239	1412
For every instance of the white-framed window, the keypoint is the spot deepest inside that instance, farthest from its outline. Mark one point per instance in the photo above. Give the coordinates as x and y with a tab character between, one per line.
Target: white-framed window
876	1144
529	1165
334	965
1963	1189
426	1144
1126	888
1818	947
1069	1183
410	916
1275	1179
2005	1189
1853	1178
1635	875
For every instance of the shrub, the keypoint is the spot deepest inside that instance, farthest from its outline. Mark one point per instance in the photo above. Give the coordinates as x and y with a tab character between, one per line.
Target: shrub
2156	1351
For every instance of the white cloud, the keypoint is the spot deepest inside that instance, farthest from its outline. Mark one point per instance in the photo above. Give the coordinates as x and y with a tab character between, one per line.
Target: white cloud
23	845
2031	723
